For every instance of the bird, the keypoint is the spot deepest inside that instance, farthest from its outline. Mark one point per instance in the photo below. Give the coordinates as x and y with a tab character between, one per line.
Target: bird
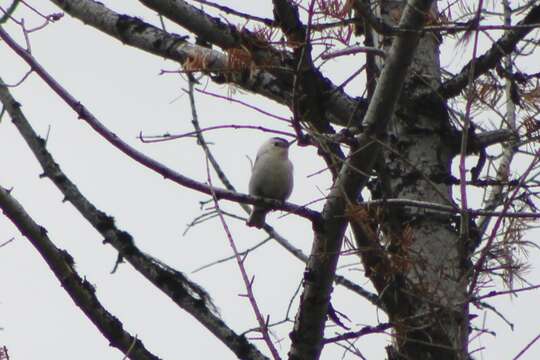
271	177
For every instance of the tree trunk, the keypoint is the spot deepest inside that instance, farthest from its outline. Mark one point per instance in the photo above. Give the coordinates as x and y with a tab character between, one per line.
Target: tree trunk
425	295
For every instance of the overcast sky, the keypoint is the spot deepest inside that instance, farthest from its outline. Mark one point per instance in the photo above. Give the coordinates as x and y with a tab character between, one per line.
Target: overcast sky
123	88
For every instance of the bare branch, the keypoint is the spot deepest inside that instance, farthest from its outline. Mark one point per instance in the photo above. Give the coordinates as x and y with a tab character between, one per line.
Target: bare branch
363	331
168	137
509	148
487	247
228	10
339	107
447	209
464	223
186	294
148	162
9	11
493	137
504	46
340	280
376	23
263	326
80	290
211	29
287	17
527	347
309	325
506	292
353	50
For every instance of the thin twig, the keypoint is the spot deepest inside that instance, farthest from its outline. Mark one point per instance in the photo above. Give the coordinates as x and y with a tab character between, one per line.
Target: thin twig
447	209
7	242
240	261
340	280
228	10
241	253
464	223
485	251
169	137
353	50
85	114
228	98
78	288
506	292
527	347
364	331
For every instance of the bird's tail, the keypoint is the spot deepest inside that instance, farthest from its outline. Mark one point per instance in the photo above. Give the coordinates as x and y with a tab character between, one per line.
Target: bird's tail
257	217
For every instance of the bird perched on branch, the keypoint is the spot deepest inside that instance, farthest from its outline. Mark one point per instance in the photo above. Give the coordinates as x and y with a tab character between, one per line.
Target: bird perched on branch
271	177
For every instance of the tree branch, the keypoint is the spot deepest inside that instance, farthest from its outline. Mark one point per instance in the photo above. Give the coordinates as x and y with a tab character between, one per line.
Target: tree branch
80	290
211	29
446	209
339	107
488	138
504	46
272	233
195	20
363	9
228	10
287	17
186	294
309	325
248	283
138	156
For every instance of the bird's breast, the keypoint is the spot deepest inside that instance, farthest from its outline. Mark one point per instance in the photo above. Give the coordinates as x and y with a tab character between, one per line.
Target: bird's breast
272	177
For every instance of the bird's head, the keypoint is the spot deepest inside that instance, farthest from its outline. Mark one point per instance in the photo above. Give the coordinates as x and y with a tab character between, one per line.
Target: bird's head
275	145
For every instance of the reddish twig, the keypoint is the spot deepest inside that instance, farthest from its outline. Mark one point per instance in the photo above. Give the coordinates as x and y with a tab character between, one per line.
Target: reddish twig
464	226
527	347
167	137
243	103
506	292
483	256
240	258
168	173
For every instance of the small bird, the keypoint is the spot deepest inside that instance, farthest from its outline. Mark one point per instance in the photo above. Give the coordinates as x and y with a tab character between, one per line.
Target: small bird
271	177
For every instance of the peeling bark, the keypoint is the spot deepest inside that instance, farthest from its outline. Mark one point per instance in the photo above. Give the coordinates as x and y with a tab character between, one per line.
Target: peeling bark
427	293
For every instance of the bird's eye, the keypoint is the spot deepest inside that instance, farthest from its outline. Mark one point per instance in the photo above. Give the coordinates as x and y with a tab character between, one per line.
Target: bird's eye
276	144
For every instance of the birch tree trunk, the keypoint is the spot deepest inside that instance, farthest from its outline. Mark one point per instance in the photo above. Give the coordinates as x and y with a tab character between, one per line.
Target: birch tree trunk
426	292
416	236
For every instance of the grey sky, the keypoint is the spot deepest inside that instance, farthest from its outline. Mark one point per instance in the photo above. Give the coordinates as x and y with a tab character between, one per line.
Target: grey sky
121	86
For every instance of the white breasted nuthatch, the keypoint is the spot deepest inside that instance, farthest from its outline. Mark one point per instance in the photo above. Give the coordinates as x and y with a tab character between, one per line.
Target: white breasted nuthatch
271	177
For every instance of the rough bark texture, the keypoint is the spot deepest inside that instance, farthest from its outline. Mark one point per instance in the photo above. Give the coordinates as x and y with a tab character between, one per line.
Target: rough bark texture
186	294
403	133
309	325
81	291
428	286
